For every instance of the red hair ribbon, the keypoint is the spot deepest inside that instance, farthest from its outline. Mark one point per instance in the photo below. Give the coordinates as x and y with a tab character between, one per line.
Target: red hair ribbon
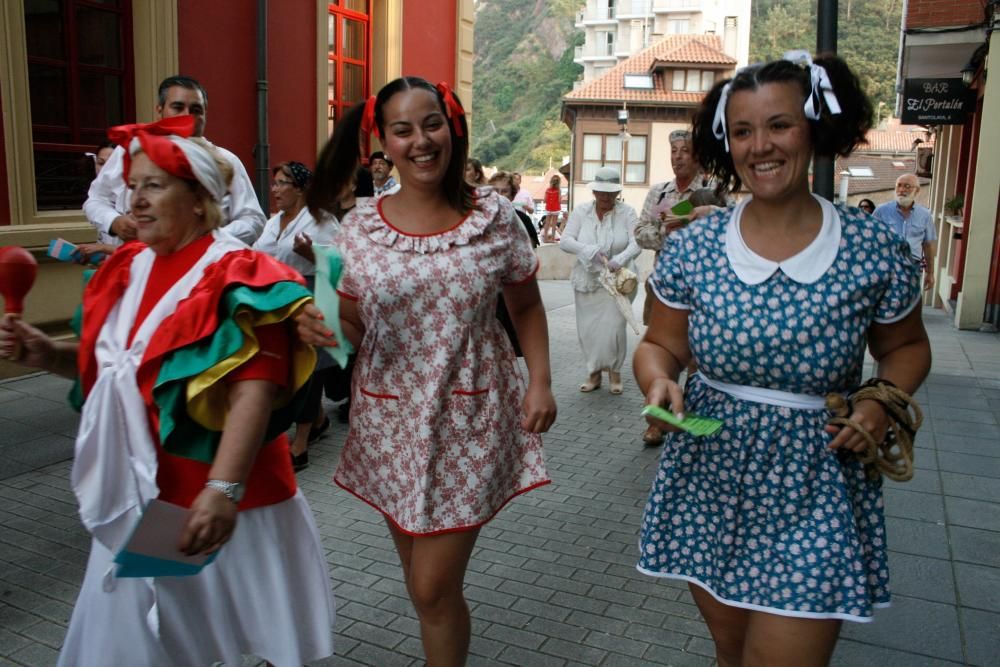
167	155
452	107
368	126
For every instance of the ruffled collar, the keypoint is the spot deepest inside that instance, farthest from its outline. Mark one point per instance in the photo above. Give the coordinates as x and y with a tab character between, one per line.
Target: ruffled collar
805	267
368	213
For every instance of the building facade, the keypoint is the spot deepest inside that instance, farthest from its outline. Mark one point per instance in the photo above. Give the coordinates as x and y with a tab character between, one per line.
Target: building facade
278	75
658	89
617	29
943	67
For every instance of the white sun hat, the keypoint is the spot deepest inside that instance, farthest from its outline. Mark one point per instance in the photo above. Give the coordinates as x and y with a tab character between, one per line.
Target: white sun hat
606	179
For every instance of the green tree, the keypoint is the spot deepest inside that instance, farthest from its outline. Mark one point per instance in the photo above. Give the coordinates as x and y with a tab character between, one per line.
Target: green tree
524	65
867	37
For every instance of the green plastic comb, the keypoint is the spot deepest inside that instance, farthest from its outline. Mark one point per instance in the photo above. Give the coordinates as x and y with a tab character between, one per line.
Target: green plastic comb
693	424
682	208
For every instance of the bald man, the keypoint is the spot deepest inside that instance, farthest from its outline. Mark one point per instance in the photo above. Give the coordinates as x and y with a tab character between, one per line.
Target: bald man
912	222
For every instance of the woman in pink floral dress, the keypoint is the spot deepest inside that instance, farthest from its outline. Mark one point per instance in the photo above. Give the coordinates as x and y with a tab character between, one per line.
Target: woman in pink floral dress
443	432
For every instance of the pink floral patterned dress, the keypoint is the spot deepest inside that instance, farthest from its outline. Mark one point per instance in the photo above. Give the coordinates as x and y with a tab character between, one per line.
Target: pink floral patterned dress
435	440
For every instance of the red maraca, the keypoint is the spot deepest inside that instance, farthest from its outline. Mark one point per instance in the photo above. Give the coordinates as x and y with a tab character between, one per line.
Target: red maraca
18	268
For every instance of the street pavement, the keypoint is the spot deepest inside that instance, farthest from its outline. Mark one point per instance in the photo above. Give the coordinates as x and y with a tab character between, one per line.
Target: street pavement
552	580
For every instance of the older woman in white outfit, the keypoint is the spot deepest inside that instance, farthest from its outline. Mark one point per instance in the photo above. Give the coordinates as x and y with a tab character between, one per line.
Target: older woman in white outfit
288	237
601	234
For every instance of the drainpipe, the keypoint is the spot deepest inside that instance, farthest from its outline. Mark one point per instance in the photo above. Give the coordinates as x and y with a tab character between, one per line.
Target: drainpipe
899	60
826	42
261	151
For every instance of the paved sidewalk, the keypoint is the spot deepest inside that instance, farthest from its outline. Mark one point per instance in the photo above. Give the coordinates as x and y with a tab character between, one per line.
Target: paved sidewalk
552	581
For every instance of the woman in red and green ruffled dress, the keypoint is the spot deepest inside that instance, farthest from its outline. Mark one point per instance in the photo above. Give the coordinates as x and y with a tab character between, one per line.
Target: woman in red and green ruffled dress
189	374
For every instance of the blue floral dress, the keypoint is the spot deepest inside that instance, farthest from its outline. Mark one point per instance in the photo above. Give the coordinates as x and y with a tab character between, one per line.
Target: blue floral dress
762	514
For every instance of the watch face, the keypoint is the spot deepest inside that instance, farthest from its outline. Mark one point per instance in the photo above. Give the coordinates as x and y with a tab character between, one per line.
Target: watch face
232	490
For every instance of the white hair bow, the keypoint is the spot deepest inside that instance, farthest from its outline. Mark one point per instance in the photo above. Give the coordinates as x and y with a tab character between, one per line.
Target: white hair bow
819	84
719	122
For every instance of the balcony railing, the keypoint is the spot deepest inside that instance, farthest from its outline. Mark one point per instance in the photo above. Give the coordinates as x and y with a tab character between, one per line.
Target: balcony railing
678	5
634	8
627	9
598	14
594	51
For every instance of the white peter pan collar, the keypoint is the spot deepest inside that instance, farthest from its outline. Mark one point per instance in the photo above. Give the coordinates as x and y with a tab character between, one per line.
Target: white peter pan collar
806	267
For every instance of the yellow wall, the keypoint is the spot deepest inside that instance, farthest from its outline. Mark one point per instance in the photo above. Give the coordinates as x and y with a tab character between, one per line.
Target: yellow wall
465	58
57	290
981	228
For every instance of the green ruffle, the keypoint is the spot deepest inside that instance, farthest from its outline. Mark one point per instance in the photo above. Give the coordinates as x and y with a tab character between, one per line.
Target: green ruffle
179	433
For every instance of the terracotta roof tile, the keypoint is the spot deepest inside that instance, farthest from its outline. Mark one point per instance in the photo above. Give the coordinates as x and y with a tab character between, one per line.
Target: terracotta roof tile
675	49
696	51
885	170
896	139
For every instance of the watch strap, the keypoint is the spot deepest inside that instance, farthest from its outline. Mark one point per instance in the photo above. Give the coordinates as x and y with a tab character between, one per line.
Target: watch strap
231	490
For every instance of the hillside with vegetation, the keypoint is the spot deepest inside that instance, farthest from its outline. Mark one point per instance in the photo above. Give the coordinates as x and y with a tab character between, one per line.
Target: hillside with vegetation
867	38
524	65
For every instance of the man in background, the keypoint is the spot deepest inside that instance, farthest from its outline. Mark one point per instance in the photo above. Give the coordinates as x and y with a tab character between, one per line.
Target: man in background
912	222
380	166
656	221
107	206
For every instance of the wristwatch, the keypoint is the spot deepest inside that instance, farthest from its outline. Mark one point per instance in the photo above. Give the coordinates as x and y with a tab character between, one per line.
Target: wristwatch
232	490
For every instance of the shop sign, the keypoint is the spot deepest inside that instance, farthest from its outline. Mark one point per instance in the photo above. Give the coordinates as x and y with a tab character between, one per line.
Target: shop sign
936	102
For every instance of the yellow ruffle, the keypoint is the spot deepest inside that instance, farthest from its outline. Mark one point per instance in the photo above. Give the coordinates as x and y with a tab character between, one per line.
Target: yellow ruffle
207	395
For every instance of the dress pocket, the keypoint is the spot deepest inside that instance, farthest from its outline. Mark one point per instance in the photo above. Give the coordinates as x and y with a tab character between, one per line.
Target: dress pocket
468	413
375	413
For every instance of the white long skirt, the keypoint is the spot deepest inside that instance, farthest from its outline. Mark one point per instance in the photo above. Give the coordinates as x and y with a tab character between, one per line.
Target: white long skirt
266	594
600	327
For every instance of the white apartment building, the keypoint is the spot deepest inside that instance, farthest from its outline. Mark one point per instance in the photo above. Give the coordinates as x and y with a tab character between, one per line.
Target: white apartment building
616	29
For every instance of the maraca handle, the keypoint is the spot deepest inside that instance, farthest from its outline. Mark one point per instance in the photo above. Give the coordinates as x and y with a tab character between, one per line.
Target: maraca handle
18	351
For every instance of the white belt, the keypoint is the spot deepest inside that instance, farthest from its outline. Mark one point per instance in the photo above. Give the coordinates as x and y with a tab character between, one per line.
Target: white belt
784	399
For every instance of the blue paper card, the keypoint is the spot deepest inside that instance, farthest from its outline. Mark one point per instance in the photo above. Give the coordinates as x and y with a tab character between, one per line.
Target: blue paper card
151	549
65	251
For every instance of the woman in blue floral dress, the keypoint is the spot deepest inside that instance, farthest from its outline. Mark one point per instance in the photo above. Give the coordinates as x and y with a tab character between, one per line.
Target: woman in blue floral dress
773	520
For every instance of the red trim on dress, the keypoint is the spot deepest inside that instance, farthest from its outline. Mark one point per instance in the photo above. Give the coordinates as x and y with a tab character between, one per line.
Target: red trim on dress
465	392
530	277
345	295
378	206
374	395
460	529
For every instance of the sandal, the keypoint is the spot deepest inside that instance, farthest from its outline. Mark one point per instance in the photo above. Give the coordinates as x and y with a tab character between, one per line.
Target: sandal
301	461
615	384
316	432
653	437
591	384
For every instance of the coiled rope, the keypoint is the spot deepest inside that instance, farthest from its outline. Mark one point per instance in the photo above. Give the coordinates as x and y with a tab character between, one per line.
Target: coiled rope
893	457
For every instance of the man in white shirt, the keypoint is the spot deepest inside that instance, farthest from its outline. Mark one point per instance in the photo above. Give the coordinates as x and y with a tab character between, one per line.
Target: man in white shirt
107	205
380	167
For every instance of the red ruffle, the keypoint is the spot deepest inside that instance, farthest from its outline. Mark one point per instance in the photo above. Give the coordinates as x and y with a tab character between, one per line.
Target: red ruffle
197	316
